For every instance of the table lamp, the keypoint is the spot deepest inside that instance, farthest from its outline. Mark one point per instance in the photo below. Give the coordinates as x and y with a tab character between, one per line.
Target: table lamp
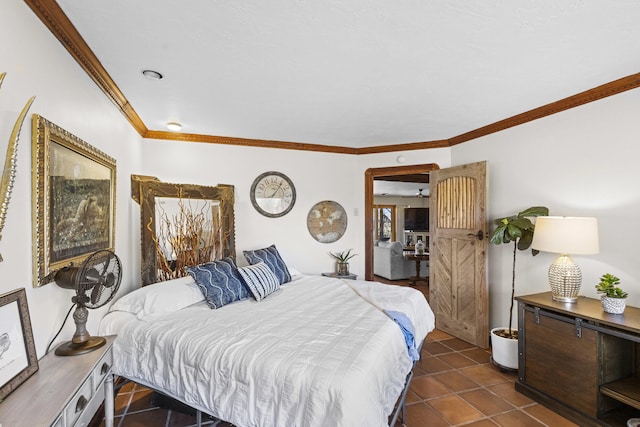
565	235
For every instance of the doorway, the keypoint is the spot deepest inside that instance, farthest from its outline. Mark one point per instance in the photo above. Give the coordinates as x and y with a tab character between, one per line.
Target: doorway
370	175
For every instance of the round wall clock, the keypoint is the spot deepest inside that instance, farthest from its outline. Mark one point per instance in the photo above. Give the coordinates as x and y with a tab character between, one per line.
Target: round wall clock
273	194
327	221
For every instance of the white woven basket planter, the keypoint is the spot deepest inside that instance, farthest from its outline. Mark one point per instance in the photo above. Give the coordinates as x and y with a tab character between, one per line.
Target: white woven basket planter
613	305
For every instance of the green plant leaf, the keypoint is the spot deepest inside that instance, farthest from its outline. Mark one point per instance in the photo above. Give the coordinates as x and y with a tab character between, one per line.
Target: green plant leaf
498	235
535	211
514	231
343	256
523	223
525	240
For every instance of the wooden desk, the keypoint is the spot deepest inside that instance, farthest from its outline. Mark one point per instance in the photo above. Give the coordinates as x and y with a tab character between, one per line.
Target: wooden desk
66	391
417	258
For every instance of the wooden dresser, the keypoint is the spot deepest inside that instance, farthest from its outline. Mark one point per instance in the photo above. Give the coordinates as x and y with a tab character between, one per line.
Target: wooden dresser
66	391
578	360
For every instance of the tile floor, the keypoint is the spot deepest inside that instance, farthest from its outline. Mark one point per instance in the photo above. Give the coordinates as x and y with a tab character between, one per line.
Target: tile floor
453	385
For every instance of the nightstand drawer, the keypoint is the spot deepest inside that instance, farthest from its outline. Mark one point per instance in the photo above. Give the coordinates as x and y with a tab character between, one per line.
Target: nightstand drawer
92	407
79	402
102	369
59	422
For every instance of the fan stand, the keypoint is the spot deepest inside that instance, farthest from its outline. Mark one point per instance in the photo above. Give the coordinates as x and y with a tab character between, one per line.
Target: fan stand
82	342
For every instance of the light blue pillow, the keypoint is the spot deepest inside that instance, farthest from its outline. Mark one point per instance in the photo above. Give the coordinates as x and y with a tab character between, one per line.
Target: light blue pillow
272	258
260	280
219	282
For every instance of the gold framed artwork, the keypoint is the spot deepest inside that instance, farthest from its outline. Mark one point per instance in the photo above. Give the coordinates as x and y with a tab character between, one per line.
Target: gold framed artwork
18	359
74	187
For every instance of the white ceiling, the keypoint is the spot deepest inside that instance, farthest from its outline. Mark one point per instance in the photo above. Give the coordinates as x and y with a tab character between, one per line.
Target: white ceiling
354	73
398	188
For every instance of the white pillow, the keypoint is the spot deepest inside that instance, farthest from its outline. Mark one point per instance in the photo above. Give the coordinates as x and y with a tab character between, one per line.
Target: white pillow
161	297
295	273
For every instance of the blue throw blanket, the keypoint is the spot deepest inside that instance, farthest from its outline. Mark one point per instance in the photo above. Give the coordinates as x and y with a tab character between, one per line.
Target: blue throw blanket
406	326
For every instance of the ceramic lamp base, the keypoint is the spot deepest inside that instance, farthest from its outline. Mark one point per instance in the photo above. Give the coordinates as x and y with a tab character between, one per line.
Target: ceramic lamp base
565	279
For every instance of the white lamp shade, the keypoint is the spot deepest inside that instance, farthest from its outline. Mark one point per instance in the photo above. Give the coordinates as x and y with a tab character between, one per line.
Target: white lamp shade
566	235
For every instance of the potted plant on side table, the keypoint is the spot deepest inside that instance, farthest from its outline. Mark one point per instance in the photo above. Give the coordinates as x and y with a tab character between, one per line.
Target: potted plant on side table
614	299
519	230
342	261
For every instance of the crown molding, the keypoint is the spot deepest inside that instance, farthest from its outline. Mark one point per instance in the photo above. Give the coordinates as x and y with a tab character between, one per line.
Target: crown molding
608	89
247	142
57	22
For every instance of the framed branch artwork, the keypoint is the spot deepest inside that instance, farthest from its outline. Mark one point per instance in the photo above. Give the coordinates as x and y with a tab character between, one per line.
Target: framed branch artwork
182	225
74	186
18	359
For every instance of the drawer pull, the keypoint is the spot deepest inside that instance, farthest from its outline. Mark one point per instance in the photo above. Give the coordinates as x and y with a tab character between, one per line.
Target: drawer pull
82	403
105	368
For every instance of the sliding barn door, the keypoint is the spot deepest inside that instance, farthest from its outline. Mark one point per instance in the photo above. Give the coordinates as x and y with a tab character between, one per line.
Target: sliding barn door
458	291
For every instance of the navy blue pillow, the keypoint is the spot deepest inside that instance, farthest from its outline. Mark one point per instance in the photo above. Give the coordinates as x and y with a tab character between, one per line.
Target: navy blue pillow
272	258
219	282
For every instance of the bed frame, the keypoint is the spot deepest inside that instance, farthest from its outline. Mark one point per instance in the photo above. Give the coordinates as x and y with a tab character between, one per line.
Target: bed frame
398	413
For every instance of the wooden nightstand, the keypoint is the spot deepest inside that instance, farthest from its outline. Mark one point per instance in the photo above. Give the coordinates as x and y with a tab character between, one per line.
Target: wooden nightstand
349	276
66	391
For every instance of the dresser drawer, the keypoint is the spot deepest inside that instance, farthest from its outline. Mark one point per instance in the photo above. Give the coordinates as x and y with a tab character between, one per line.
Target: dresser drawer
79	402
92	407
102	369
59	422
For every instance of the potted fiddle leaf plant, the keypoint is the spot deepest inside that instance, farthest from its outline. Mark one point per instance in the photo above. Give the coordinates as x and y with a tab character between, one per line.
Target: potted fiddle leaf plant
613	299
342	261
518	230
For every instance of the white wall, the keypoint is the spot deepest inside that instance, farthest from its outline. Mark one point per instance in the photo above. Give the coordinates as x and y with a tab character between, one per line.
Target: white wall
581	162
37	64
316	176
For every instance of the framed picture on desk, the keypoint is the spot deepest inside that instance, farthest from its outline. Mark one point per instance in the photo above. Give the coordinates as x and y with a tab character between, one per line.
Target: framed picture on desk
18	359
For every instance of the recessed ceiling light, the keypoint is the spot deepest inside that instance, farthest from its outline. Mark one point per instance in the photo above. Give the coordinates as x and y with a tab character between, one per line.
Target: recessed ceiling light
152	75
174	126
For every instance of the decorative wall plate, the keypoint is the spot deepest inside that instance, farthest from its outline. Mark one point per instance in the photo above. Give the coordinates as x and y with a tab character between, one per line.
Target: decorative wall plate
327	221
273	194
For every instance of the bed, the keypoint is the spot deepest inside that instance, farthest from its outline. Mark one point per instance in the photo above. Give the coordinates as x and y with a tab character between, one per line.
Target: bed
318	351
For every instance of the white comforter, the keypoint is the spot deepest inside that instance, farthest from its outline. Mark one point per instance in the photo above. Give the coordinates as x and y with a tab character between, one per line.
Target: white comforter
318	352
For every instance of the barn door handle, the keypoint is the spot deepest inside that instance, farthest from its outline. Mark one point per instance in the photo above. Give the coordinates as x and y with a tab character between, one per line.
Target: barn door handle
479	235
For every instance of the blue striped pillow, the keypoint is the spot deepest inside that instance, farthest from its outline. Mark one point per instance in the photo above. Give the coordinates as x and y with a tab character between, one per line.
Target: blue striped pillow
272	258
259	279
219	282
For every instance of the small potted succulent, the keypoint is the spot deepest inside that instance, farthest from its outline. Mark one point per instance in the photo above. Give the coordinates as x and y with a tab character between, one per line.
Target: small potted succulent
614	299
342	261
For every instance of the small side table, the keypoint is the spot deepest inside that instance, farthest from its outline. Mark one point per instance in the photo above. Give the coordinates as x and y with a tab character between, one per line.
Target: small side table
417	258
349	276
